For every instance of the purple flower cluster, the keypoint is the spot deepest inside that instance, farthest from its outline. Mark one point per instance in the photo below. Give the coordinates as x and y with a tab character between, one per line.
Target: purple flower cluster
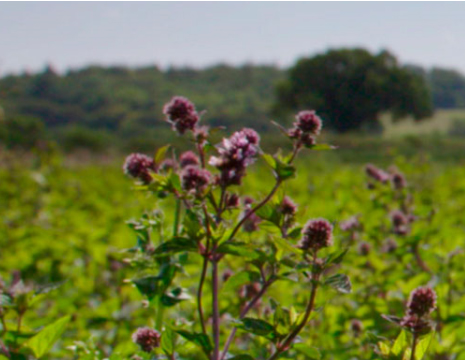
195	178
398	180
288	207
400	222
421	303
317	234
307	126
148	339
376	174
139	167
235	154
181	113
188	158
350	224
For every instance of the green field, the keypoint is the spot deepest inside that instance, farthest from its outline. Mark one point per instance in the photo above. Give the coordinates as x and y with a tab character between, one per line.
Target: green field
441	123
63	223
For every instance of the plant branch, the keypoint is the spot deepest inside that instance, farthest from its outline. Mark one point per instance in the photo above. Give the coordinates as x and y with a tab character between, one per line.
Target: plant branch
255	208
215	307
419	259
244	312
290	338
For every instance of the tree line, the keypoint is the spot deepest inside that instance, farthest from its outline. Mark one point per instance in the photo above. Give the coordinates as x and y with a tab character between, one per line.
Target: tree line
96	105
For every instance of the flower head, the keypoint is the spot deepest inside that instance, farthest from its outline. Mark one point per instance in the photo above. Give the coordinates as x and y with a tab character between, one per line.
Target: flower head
139	166
235	154
287	206
400	222
188	158
422	301
193	177
398	180
148	339
309	122
181	113
317	234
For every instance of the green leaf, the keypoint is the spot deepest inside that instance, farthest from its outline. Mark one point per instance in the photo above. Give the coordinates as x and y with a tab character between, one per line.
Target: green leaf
174	297
295	233
284	171
400	343
256	326
423	345
339	282
192	226
160	154
168	341
176	245
42	342
241	278
238	249
336	257
270	160
322	147
310	352
199	339
148	286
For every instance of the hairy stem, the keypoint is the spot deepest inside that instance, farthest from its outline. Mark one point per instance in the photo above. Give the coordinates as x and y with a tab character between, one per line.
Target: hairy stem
243	313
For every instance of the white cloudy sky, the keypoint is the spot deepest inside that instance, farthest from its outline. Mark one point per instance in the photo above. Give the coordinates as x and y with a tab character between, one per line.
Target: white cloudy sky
74	34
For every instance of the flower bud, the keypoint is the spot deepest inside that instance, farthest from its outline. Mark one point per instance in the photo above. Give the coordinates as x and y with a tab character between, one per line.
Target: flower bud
188	158
193	177
422	301
308	122
317	234
139	166
181	113
148	339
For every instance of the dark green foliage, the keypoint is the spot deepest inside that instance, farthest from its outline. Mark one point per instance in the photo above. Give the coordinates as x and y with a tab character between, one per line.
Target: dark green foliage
349	88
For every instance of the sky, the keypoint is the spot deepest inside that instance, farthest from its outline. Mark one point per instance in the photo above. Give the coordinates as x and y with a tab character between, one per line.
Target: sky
70	35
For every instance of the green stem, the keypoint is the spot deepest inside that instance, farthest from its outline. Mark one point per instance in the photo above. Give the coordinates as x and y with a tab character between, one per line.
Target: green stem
177	215
414	346
160	313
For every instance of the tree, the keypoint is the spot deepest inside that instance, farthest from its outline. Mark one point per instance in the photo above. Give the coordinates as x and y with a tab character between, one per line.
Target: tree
351	87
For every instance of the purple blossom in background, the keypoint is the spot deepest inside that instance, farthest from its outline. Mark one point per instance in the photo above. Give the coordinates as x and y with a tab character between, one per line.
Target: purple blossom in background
235	154
350	224
376	174
139	166
398	181
288	207
181	113
148	339
400	222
